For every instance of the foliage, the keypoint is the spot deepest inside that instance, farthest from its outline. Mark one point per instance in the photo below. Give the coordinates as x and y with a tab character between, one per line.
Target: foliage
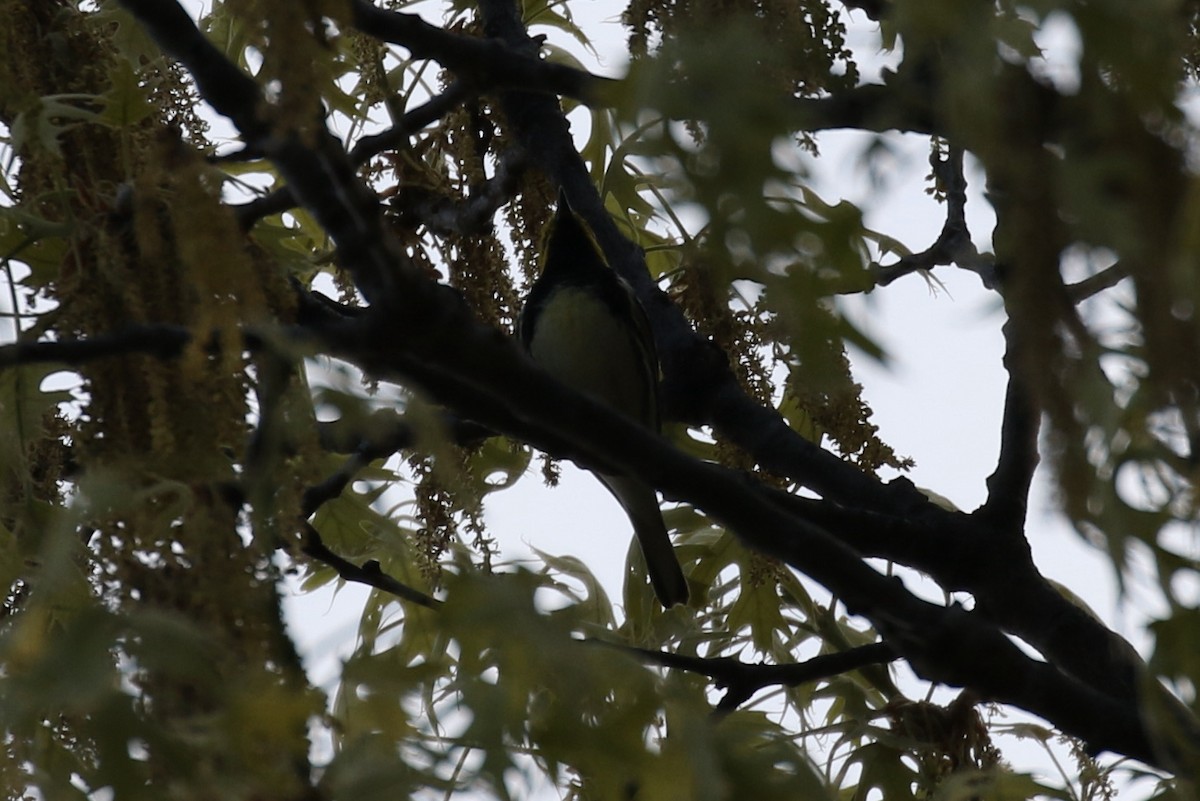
272	352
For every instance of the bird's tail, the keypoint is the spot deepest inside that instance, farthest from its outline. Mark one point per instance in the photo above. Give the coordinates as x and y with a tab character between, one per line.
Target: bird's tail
641	504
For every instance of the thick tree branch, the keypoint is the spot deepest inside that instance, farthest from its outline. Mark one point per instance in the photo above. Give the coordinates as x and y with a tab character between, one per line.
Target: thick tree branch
163	341
886	609
333	485
1009	484
877	107
942	546
987	555
482	62
1030	237
543	133
487	378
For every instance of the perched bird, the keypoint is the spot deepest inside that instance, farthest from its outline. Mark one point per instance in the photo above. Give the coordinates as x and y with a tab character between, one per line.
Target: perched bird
583	325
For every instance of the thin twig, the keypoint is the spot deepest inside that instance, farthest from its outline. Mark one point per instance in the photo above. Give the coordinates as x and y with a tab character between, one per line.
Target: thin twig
369	573
1095	284
368	147
425	114
742	680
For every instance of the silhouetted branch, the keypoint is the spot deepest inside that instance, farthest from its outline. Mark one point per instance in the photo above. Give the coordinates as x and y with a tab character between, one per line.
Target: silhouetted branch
1095	284
314	166
953	245
368	147
482	62
1009	484
163	341
485	377
877	107
444	215
369	573
425	114
742	680
333	485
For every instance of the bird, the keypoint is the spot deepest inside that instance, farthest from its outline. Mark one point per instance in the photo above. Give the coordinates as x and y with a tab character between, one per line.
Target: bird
582	323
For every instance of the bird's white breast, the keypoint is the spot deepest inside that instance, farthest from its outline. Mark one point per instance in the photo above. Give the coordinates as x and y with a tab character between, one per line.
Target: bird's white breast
578	341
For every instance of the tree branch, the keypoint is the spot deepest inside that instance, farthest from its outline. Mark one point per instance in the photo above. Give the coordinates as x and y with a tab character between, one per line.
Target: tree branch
874	9
1009	484
877	107
953	245
369	574
482	62
312	162
1095	284
488	379
443	215
163	341
367	148
542	412
425	114
743	680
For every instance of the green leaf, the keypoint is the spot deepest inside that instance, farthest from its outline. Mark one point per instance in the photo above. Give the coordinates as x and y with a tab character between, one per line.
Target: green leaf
67	666
353	529
125	103
883	769
595	598
38	243
994	784
758	609
41	126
